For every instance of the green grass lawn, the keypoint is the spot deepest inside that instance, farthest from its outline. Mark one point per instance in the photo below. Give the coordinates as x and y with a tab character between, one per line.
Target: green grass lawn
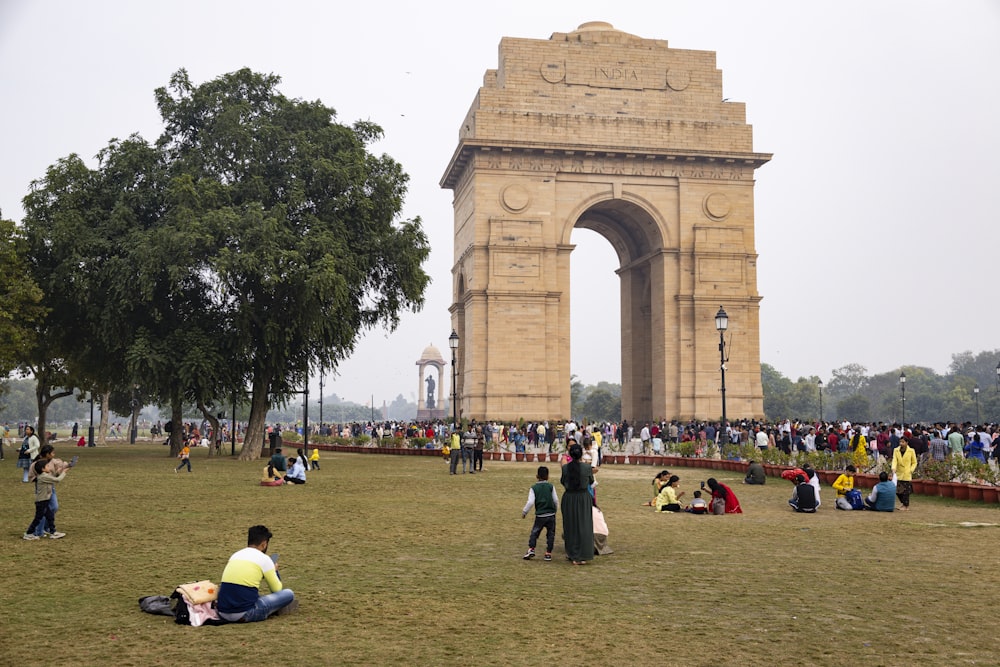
394	560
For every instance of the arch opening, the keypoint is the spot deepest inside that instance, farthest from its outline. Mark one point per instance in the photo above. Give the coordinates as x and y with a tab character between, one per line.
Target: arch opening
637	241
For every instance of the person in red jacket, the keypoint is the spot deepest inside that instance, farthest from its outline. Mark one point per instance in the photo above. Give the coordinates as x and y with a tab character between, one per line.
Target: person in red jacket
720	490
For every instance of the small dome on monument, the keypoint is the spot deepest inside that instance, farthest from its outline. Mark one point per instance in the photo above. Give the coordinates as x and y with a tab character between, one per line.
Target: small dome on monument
595	25
431	353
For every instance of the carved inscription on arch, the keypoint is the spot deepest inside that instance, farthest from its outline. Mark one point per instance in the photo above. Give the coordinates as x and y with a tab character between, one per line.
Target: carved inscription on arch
630	76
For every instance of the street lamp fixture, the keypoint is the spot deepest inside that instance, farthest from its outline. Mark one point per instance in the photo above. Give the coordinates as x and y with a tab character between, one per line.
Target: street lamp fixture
819	383
453	344
975	390
902	393
721	324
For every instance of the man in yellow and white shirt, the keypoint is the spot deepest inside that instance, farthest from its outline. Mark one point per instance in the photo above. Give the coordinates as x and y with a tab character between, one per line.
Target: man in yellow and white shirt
239	600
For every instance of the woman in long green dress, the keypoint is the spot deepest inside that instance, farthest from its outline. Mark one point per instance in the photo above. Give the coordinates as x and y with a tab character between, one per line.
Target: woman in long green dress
577	515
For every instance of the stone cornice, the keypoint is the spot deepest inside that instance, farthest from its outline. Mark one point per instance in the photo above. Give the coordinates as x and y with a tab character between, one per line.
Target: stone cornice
611	160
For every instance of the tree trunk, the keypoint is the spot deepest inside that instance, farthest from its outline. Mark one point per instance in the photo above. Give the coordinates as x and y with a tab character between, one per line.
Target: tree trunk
102	438
133	426
214	421
177	426
43	399
253	439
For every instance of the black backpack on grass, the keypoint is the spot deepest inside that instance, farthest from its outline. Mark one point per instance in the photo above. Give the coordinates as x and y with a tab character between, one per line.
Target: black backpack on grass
181	614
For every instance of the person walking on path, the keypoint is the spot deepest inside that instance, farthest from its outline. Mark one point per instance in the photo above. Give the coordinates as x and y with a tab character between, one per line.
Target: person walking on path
904	462
468	447
542	496
44	485
577	515
185	457
455	452
28	452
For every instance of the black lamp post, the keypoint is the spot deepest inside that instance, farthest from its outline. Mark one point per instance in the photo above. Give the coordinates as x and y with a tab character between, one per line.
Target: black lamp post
305	416
90	429
232	428
975	390
721	324
902	395
998	377
819	383
321	402
134	430
453	344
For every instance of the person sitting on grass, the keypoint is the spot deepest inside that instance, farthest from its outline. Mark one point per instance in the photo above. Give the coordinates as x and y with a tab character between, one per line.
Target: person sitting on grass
296	471
658	483
698	505
277	465
755	474
844	484
804	498
724	501
239	599
668	500
883	496
268	478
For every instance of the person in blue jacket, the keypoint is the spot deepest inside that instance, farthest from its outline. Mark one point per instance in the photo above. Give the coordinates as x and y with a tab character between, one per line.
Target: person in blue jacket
883	496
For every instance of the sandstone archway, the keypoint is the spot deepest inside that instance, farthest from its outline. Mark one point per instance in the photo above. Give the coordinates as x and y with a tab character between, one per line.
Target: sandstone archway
603	130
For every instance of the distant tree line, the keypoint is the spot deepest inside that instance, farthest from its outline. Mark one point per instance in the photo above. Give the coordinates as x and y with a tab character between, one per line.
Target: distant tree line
18	403
851	393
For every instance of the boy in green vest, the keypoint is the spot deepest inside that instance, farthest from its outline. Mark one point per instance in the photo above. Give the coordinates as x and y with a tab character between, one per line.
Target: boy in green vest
542	495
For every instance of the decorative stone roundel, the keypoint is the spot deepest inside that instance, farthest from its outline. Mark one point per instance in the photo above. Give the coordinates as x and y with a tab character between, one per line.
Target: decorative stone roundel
553	72
717	206
514	198
678	79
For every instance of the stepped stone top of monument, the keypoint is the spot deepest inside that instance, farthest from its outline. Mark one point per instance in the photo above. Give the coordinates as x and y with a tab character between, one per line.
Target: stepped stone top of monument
599	31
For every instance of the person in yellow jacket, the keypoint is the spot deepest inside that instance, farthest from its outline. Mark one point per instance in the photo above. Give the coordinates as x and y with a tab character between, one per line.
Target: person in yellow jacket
844	484
454	452
859	451
668	500
185	457
314	459
904	462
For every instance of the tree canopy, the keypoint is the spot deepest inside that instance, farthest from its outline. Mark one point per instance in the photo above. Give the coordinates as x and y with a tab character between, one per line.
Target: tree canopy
256	239
19	299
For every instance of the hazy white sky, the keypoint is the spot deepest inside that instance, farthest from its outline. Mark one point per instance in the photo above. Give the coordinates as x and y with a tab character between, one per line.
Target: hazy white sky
875	220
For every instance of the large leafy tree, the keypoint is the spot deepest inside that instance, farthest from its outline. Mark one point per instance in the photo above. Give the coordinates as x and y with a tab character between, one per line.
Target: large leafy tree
304	247
847	380
89	231
63	216
256	239
19	299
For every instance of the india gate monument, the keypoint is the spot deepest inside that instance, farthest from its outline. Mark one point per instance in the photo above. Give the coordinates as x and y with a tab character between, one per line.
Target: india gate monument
602	130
